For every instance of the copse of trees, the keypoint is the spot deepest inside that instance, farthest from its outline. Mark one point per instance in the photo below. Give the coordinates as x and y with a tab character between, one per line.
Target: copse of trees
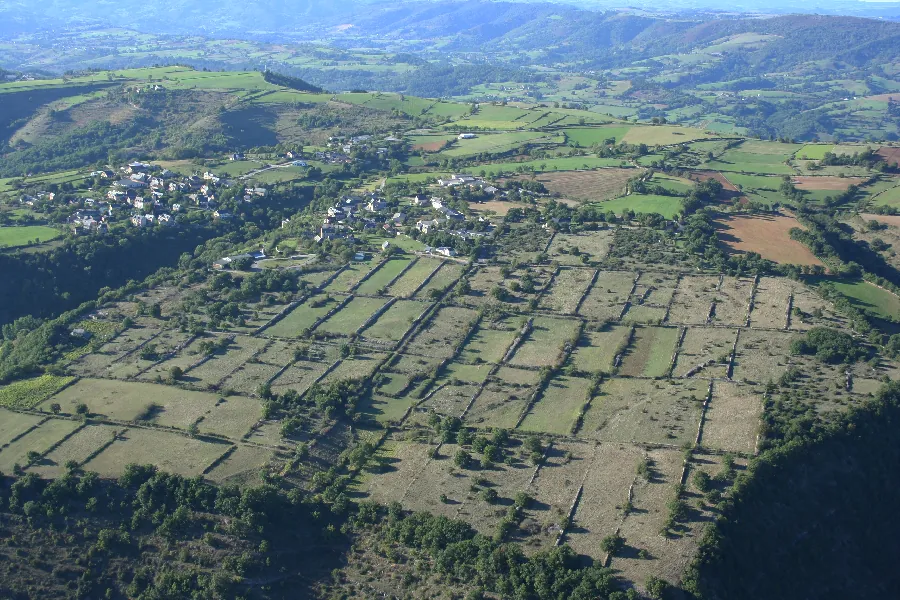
830	346
114	529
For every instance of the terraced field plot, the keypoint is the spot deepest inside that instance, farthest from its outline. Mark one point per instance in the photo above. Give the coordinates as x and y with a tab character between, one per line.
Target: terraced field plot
500	404
650	352
567	289
351	316
440	281
242	466
410	281
170	452
693	299
770	303
79	447
393	324
444	332
641	528
606	485
382	278
303	317
705	352
132	401
359	366
732	419
557	410
569	248
645	410
607	297
597	350
232	417
351	275
762	356
219	366
450	400
544	342
490	343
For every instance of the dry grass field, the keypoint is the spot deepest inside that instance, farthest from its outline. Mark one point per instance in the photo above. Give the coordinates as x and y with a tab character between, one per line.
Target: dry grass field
768	236
732	419
591	186
566	291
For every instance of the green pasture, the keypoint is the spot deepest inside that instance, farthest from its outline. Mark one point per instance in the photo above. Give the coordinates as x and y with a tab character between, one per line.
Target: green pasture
667	206
12	237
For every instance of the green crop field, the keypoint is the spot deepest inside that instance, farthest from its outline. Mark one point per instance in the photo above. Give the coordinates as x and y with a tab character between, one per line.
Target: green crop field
303	317
588	136
11	237
866	296
498	143
352	316
570	163
382	277
667	206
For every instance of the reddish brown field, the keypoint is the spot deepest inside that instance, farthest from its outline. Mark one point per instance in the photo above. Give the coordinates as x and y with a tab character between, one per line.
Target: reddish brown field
704	175
885	97
889	154
430	147
886	219
500	208
827	183
767	235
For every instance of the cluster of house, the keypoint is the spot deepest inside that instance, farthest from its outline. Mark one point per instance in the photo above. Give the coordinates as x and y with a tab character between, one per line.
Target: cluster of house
357	213
458	180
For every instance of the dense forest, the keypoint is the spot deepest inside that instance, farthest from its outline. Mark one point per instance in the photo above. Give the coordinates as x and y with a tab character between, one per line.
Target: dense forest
814	518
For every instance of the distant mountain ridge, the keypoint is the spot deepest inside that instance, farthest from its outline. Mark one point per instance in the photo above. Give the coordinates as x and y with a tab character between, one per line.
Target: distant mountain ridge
318	19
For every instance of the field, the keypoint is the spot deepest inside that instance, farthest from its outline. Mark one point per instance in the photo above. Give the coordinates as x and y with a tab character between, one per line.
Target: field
597	350
395	321
544	342
646	410
592	186
410	281
28	393
497	143
704	352
488	344
12	237
667	206
827	183
171	452
445	331
589	136
575	248
351	316
567	289
607	297
40	439
382	277
128	401
303	317
650	352
663	135
762	356
867	297
732	419
557	410
768	236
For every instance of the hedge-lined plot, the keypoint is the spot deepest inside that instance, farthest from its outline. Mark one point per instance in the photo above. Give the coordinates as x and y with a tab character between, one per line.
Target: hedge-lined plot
351	316
597	350
705	352
558	407
732	419
131	401
650	353
566	291
607	297
545	342
170	452
644	410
